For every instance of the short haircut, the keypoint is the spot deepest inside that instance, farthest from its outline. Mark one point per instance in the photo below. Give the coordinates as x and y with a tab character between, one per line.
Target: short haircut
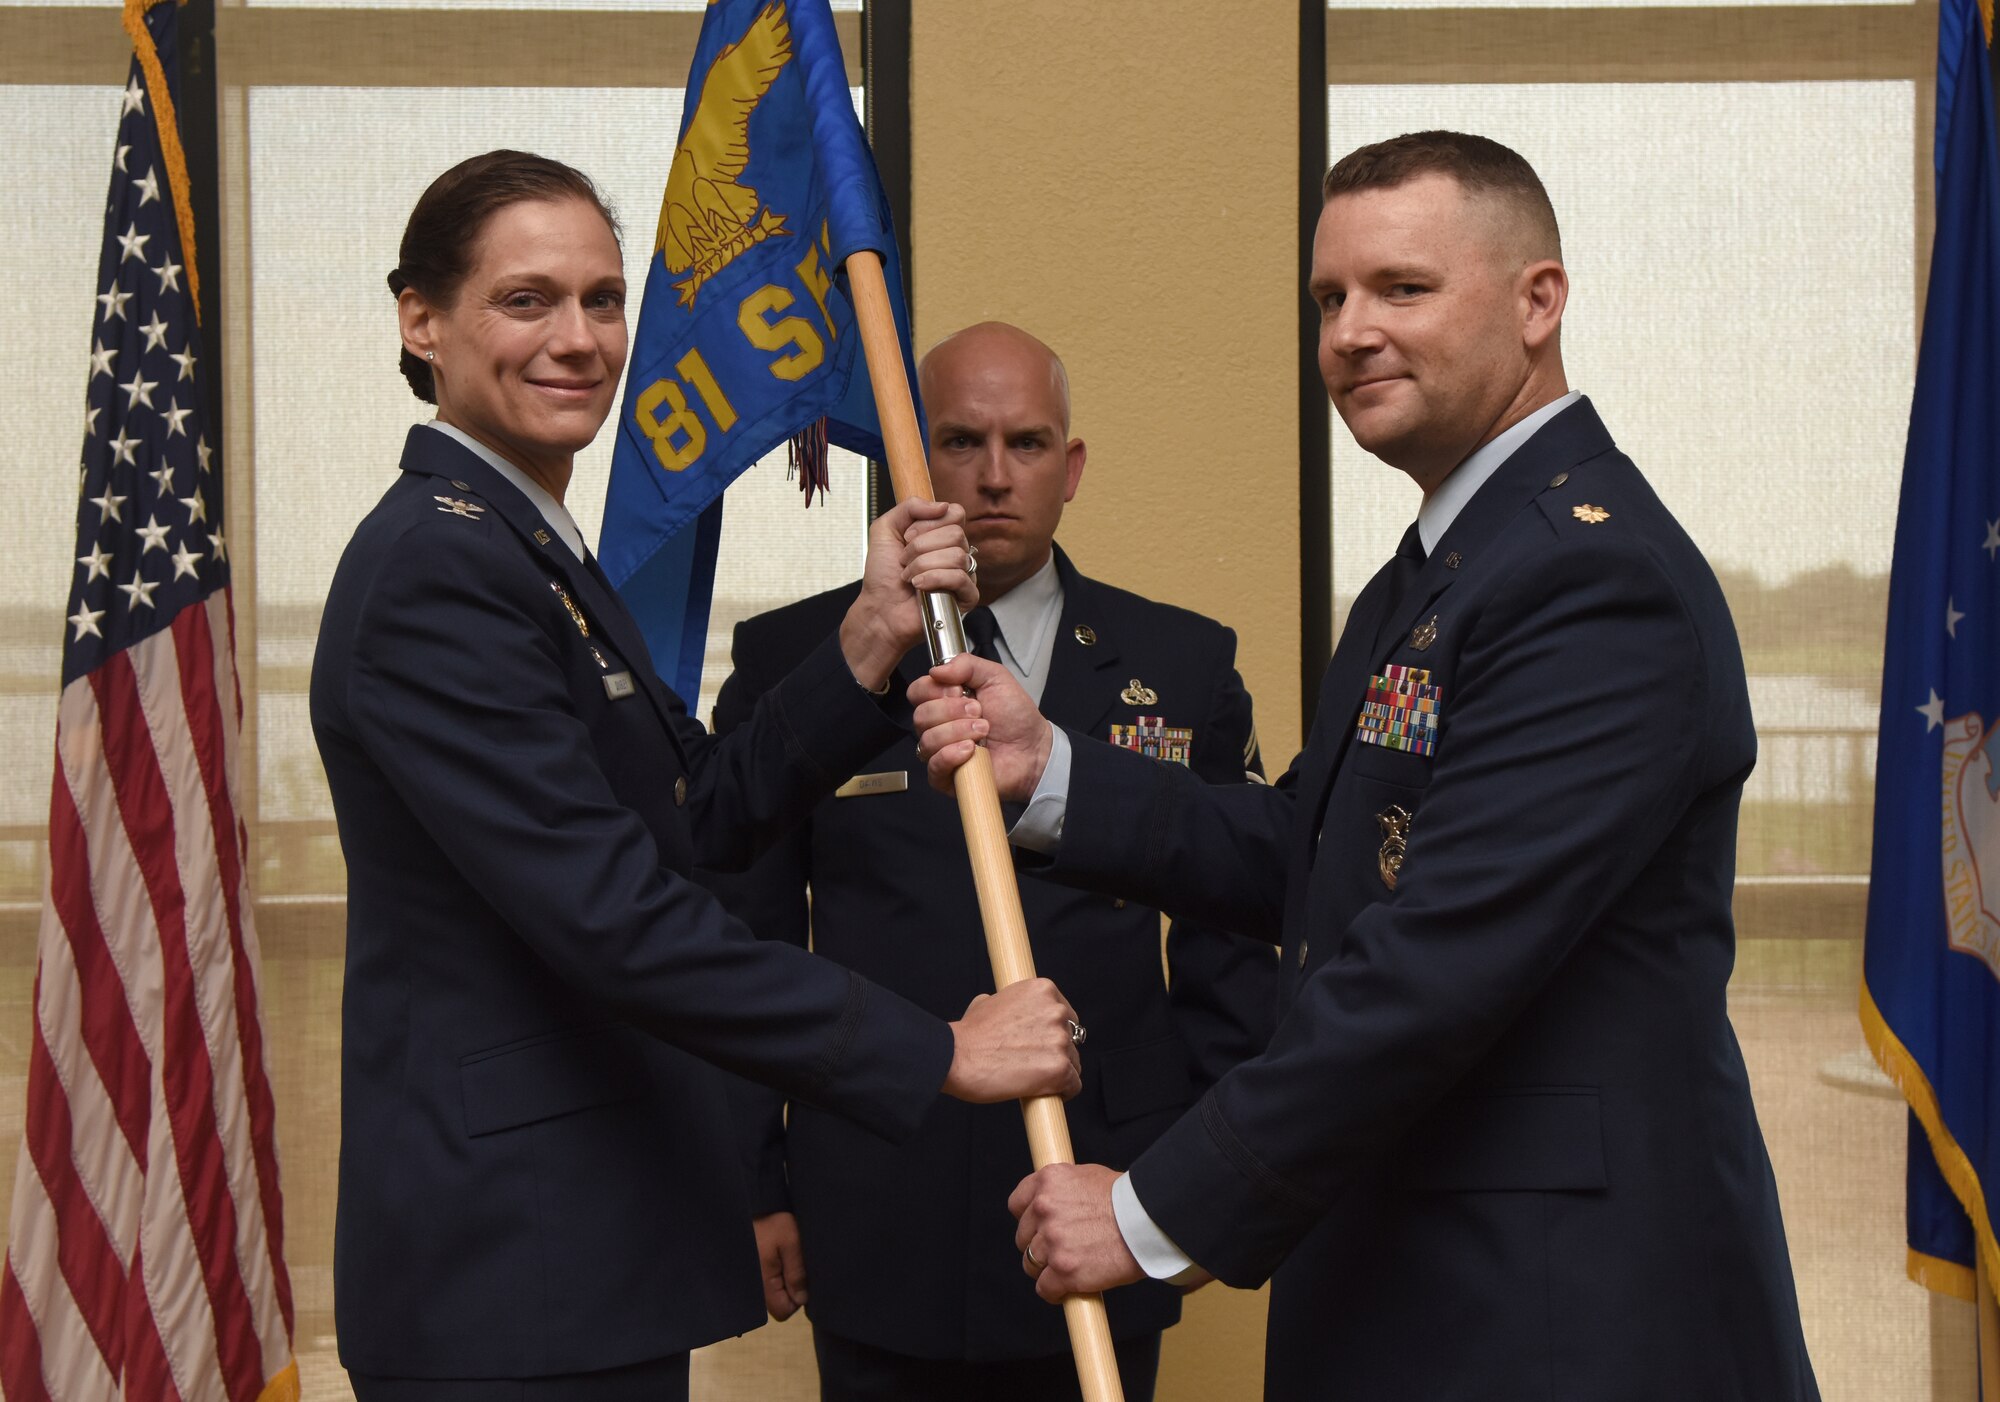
1480	165
444	228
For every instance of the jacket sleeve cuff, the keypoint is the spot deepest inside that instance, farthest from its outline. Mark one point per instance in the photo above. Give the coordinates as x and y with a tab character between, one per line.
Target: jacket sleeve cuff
889	1066
1216	1202
1152	1248
769	1192
829	719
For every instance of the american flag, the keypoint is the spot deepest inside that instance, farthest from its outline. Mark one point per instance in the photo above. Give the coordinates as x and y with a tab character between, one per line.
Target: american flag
145	1252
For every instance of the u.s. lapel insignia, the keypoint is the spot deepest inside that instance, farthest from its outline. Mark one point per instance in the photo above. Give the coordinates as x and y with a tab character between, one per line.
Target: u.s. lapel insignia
1395	824
1152	737
1139	694
1424	634
575	613
1086	635
454	507
542	537
1590	515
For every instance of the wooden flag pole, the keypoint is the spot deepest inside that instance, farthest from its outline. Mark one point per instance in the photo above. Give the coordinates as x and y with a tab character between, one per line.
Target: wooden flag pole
978	793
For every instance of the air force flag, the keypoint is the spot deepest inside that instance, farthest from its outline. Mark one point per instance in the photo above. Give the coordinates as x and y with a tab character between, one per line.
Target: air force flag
1930	998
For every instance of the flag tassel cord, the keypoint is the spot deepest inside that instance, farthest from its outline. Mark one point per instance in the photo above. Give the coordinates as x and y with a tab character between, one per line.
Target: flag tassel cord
1902	1068
978	792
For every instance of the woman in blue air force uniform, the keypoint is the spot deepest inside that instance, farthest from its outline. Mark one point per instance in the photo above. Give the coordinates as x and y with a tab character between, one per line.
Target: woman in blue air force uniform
537	1194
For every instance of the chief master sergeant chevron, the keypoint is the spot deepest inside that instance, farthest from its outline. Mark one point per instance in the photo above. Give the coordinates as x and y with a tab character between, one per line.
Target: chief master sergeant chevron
1502	1144
904	1250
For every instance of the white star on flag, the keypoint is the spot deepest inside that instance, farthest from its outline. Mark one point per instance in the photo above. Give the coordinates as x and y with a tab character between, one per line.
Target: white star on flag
169	274
203	452
221	551
186	361
176	418
155	332
1992	541
123	445
139	593
154	534
197	508
141	389
1933	712
163	477
123	151
1951	617
135	101
97	562
109	505
90	413
85	618
101	358
133	243
184	562
114	303
149	188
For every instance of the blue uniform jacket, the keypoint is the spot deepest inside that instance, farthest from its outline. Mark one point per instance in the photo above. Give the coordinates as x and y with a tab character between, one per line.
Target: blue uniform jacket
536	1170
910	1247
1502	1143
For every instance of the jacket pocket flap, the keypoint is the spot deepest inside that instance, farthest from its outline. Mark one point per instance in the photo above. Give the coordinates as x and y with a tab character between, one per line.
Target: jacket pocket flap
546	1076
1139	1080
1542	1140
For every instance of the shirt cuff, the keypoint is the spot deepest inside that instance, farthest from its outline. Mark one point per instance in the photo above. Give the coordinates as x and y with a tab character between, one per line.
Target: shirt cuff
1040	826
1152	1248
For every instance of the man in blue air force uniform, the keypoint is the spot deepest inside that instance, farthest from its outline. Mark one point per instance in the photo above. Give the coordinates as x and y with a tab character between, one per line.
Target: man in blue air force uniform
906	1250
1502	1144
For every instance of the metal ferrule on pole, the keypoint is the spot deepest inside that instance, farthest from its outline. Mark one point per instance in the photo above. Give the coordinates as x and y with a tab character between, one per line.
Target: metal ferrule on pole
944	628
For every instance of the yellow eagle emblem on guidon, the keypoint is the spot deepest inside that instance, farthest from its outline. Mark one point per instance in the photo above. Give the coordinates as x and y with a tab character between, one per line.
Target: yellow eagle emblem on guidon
707	217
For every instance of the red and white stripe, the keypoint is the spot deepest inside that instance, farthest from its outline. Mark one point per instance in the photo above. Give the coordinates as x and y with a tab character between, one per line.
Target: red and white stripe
145	1256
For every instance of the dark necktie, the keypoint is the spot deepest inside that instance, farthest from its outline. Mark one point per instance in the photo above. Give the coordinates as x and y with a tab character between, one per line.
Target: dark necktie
983	633
1403	571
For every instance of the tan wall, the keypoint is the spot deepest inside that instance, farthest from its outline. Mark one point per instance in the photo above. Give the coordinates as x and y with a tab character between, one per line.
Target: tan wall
1128	193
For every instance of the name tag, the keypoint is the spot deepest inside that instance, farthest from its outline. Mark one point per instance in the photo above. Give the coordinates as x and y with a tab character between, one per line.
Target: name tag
618	685
861	785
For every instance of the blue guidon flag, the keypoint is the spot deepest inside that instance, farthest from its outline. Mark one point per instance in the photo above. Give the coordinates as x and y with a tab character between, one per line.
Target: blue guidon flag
1930	997
746	337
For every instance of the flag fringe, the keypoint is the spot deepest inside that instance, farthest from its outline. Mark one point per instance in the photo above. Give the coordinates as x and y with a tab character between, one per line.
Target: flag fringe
284	1387
806	459
1899	1066
169	127
1945	1277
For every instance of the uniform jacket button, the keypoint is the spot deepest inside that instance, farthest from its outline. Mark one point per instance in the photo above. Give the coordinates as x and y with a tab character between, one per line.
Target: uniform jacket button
681	791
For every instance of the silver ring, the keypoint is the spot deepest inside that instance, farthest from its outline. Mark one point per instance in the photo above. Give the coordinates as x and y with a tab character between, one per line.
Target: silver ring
1078	1033
1035	1267
971	559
